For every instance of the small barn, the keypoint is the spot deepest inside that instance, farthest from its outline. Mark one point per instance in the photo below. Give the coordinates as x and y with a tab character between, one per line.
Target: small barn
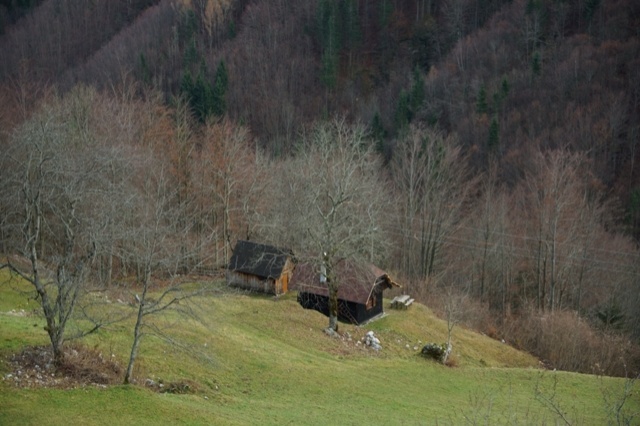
260	267
359	294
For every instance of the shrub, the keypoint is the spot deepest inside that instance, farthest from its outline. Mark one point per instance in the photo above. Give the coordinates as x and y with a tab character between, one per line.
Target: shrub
434	351
565	341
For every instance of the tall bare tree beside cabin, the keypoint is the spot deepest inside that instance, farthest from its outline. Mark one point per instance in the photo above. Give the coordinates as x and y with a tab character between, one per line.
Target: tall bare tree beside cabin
432	180
336	200
228	182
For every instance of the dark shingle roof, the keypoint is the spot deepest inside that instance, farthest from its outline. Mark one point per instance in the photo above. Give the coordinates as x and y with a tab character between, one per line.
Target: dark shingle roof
261	260
356	282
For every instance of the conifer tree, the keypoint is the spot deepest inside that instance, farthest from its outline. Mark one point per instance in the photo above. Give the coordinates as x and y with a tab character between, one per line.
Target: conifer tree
536	66
330	38
352	30
186	85
386	9
378	132
219	90
494	135
403	111
417	91
481	101
145	73
191	53
504	88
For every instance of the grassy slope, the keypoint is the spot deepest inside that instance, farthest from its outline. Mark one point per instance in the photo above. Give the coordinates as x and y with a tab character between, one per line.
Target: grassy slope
256	360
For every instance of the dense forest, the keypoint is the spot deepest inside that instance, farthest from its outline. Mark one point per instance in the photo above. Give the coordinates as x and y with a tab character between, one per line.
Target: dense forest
494	161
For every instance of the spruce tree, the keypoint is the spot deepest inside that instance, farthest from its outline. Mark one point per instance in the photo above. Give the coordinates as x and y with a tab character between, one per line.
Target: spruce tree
385	12
186	85
378	133
494	135
417	91
219	90
536	65
198	100
403	111
190	53
504	88
145	73
481	101
330	38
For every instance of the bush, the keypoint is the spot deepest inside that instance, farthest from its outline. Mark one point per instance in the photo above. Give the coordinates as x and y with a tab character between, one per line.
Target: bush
565	341
434	351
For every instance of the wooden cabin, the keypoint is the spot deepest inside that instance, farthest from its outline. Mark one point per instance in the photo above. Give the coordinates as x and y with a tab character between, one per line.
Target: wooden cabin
260	267
360	290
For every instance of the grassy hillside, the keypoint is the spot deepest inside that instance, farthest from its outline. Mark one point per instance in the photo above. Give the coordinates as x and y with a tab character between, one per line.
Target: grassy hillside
253	359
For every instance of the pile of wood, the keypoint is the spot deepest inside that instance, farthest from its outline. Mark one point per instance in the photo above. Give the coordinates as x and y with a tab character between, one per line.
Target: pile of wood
401	302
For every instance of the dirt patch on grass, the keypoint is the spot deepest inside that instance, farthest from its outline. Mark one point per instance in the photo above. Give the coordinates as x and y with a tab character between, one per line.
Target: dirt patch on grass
33	367
82	367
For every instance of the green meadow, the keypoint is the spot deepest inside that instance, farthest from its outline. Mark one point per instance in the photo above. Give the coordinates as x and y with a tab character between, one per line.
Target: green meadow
254	359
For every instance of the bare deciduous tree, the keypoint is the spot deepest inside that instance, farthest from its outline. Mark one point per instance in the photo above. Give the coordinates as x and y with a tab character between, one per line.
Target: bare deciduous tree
432	179
159	236
488	242
337	202
52	186
453	309
555	197
228	182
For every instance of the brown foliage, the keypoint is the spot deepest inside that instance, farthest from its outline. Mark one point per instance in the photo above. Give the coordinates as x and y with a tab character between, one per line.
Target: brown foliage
565	341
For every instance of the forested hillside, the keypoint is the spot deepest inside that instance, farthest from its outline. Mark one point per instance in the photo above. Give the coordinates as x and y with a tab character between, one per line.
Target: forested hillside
503	134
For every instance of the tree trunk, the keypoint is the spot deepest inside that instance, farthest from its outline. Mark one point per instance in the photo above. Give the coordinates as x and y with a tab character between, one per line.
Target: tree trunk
137	333
109	268
56	346
333	307
134	346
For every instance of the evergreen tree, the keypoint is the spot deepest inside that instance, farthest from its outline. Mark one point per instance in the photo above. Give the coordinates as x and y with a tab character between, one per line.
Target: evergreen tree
536	65
504	88
190	53
329	72
145	73
590	7
481	101
378	133
198	100
222	77
422	44
385	12
186	85
188	25
494	135
633	212
417	91
403	111
533	6
500	95
199	93
219	90
496	101
352	31
330	37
